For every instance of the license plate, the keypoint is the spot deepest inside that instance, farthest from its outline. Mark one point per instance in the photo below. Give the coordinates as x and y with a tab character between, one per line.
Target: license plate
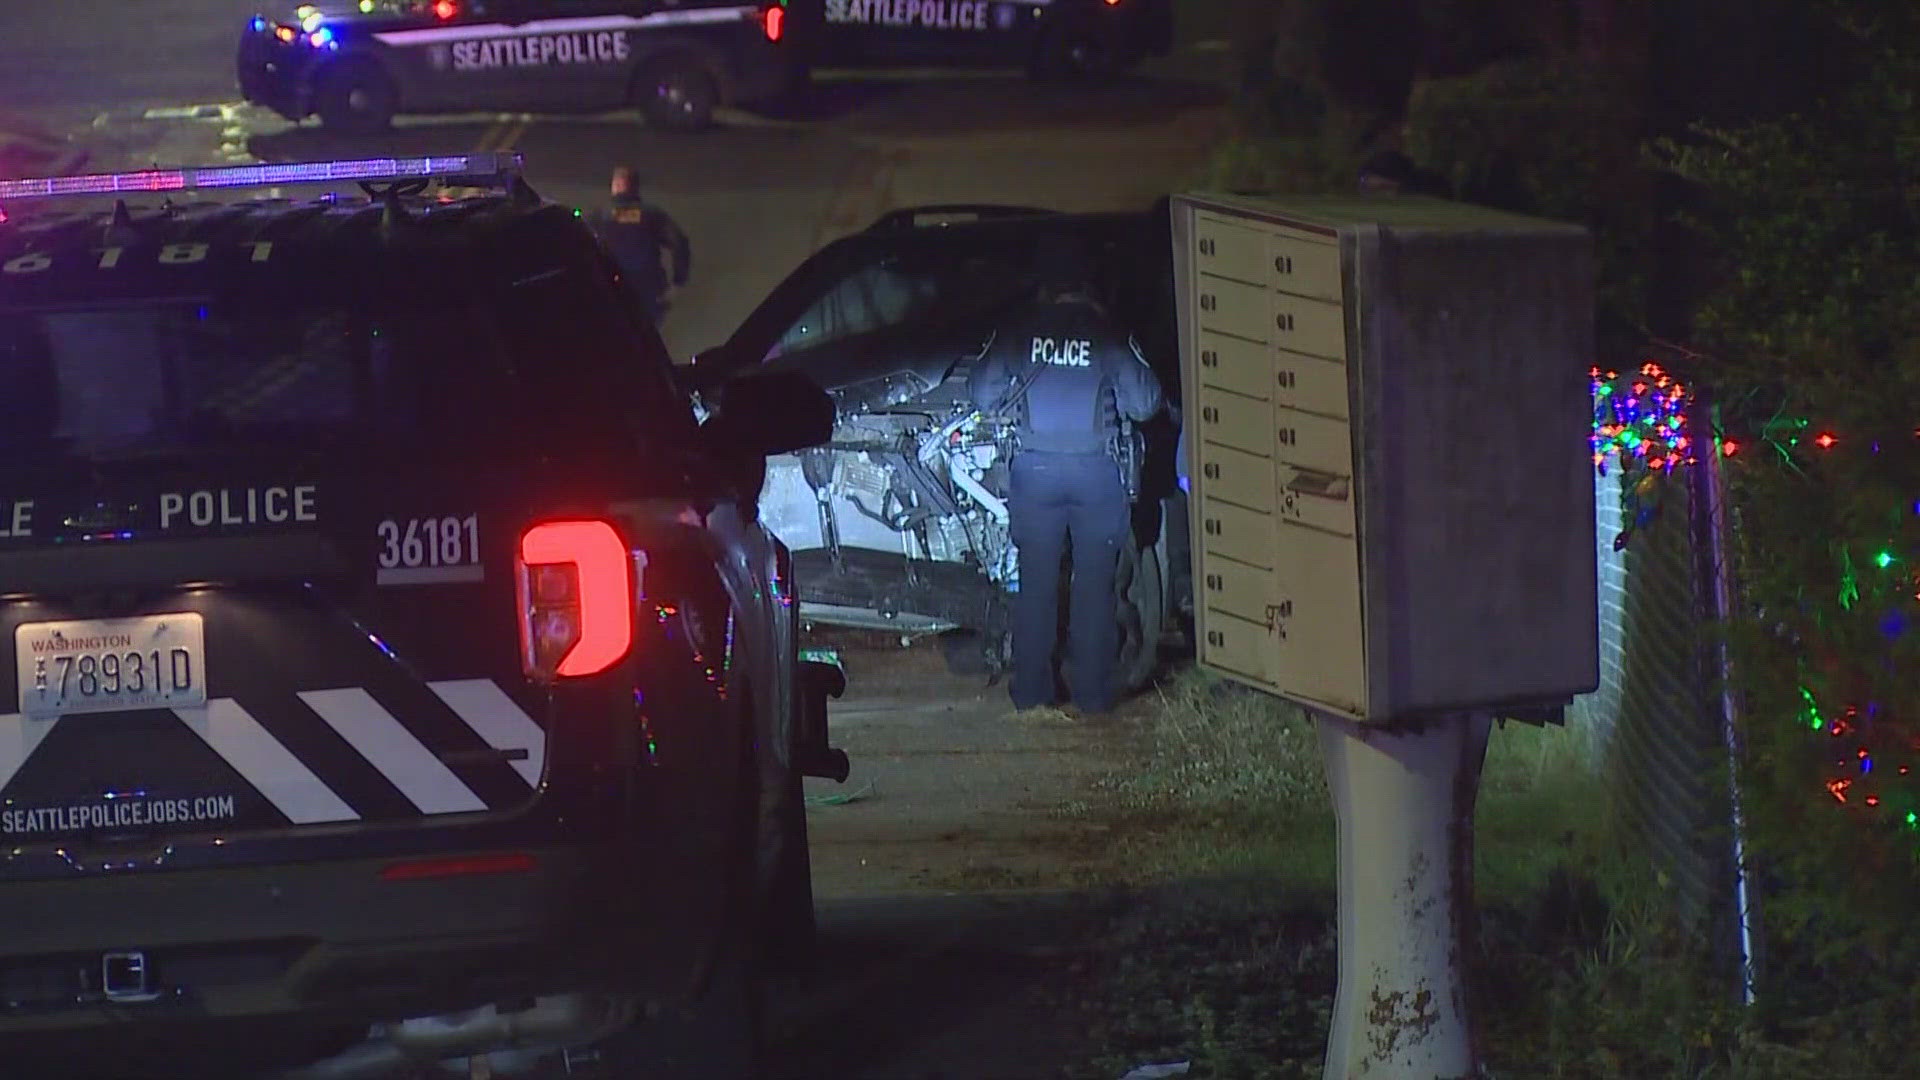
111	665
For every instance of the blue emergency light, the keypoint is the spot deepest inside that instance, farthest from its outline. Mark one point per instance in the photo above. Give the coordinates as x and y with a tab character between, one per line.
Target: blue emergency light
471	170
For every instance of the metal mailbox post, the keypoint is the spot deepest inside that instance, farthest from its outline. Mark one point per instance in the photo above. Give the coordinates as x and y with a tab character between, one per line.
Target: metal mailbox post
1387	410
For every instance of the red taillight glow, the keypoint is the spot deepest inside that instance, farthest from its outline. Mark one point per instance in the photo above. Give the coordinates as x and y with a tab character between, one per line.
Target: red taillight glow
774	22
458	866
575	585
446	9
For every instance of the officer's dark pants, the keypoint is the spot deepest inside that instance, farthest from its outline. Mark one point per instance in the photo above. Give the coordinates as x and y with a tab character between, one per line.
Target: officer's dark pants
1054	498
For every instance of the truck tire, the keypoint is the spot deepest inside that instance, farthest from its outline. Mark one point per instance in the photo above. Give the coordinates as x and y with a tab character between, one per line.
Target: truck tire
677	92
356	98
723	1034
1070	53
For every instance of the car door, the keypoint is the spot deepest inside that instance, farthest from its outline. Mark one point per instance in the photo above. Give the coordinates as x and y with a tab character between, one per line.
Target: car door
591	46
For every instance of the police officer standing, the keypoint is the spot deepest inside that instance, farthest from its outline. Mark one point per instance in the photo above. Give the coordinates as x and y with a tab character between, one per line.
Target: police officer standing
641	236
1065	374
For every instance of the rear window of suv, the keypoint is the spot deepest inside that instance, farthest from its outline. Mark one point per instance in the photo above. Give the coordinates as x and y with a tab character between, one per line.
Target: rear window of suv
185	376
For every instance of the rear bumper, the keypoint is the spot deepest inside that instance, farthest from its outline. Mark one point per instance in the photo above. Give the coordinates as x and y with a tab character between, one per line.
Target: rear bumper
337	946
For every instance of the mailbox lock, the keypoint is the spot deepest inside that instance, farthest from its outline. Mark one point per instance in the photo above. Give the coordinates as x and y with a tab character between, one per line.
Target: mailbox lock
1283	264
1286	378
1284	321
1287	437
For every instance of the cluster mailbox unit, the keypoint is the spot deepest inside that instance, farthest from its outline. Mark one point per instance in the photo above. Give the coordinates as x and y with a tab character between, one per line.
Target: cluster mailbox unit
1386	418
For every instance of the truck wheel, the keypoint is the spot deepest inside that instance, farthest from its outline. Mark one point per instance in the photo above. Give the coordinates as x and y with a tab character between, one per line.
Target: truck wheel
356	98
677	93
722	1035
1142	610
1072	54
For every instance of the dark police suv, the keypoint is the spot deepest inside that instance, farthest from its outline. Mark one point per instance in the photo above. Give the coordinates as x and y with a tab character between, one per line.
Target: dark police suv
400	675
356	65
1050	38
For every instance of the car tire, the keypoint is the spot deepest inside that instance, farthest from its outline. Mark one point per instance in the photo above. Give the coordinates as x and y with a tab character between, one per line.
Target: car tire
724	1033
677	93
356	98
1142	612
1070	53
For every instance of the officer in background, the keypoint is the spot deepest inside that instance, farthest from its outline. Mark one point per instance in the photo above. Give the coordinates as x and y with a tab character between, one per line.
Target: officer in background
1064	374
640	237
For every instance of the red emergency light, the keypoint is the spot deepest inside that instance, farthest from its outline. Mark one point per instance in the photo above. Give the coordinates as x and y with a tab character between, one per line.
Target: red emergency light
774	21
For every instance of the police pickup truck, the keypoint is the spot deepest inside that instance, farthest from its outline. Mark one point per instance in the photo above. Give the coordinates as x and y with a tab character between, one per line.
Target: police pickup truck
400	676
357	64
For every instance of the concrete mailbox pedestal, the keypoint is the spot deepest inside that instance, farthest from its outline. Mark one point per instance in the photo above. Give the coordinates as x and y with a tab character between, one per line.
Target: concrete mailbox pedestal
1386	411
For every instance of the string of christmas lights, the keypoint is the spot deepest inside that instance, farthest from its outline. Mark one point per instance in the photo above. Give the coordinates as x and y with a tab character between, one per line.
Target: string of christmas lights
1640	423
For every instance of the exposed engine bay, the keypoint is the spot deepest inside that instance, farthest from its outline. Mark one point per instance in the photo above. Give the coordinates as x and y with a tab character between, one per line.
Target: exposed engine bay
901	521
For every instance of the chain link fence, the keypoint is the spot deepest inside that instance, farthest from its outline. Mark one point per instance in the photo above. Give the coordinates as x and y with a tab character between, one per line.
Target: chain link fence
1653	727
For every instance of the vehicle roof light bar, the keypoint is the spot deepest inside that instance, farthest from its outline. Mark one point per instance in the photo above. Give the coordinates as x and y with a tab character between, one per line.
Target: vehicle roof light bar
470	170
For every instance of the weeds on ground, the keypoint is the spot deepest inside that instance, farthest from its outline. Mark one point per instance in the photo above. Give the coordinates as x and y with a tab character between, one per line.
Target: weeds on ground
1228	959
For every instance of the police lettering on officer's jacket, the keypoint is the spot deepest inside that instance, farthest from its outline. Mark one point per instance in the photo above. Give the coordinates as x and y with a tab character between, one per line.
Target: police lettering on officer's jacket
930	14
1073	352
608	47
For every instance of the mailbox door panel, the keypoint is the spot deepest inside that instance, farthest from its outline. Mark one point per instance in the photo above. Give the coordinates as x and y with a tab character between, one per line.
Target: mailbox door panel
1238	533
1308	326
1310	384
1313	442
1230	249
1236	420
1247	368
1238	646
1319	589
1305	264
1237	477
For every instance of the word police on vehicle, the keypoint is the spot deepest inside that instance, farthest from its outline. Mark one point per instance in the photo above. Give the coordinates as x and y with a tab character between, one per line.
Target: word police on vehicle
607	47
357	69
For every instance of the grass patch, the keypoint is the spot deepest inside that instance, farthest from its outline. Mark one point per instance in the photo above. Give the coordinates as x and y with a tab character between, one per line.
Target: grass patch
1225	954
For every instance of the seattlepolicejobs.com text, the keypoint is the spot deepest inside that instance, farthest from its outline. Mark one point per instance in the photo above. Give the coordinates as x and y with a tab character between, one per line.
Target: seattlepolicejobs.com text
117	814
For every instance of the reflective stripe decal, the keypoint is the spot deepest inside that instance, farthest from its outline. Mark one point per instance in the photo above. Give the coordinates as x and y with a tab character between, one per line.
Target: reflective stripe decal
498	721
482	31
389	747
262	761
20	736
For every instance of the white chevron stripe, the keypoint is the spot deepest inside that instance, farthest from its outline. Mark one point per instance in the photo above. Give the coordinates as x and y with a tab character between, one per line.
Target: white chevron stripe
266	764
495	717
20	736
389	747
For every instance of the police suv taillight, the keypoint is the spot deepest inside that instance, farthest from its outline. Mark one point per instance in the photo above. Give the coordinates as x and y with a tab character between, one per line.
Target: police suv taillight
773	22
574	582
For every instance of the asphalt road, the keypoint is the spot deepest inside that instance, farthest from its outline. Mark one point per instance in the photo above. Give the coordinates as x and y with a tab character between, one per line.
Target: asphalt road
930	965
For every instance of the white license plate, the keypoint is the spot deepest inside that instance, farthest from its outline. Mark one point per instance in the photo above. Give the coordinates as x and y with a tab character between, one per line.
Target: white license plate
111	665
